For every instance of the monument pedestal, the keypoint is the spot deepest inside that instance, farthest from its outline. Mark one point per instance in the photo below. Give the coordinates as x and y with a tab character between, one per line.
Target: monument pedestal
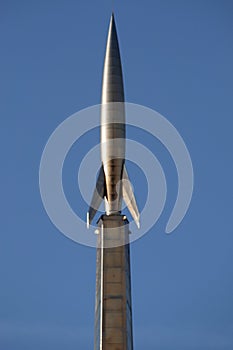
113	309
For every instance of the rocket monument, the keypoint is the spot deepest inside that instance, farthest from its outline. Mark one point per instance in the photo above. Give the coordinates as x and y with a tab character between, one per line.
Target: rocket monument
113	307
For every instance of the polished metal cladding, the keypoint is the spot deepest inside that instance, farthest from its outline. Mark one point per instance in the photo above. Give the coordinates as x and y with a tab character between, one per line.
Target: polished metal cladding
112	87
110	186
113	122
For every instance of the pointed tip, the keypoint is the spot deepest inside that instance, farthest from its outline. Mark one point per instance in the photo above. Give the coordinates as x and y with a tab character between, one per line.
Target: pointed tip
112	17
112	24
112	84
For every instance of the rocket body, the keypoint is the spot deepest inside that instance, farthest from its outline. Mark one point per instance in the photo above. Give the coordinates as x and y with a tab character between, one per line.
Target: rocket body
113	122
110	186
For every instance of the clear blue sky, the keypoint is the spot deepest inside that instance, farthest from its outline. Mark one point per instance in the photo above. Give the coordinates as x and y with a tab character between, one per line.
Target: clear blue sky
177	59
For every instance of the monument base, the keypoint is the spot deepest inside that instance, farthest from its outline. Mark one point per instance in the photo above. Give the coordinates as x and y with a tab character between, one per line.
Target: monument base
113	310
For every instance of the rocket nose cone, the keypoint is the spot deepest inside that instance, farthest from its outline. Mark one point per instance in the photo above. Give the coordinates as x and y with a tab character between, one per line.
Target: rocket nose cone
112	32
112	87
112	20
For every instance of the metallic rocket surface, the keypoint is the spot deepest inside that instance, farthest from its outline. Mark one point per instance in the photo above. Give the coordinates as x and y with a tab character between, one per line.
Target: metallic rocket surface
113	183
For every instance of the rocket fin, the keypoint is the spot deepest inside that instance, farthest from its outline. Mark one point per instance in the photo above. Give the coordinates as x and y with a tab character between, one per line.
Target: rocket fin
98	195
129	199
